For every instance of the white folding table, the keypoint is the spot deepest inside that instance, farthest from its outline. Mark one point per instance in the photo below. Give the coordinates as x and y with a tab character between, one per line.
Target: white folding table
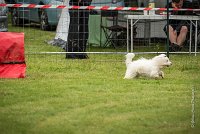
133	19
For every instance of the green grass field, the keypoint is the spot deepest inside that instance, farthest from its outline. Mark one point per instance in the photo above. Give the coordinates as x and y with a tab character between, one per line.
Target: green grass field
60	96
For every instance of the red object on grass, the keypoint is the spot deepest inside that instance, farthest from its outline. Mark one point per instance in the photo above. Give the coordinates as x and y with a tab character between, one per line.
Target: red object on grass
12	59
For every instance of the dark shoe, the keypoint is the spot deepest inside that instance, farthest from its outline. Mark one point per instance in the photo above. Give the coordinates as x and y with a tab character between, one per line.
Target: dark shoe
71	56
73	46
175	47
83	56
76	56
171	49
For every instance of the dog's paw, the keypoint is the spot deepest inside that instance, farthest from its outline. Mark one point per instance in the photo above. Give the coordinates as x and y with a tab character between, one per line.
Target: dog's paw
161	74
127	78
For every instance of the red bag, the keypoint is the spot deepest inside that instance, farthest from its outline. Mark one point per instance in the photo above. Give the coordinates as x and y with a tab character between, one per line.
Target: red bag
12	60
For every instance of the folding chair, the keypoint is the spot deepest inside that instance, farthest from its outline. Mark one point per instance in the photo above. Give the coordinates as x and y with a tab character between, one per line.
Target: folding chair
111	32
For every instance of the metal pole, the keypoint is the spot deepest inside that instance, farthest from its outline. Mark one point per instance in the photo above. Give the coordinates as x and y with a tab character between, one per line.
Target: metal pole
131	35
190	45
195	49
127	35
167	28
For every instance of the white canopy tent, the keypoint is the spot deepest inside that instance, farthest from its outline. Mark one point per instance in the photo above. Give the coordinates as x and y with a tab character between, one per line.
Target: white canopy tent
63	23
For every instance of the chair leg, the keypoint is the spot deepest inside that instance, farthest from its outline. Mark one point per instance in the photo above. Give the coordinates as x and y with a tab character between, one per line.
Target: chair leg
107	41
107	37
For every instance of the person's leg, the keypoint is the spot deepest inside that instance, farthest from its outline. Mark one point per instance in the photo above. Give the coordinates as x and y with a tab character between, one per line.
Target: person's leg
72	40
172	35
83	31
182	35
73	26
84	28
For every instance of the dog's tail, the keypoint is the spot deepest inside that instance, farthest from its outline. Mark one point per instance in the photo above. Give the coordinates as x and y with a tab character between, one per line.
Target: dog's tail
129	58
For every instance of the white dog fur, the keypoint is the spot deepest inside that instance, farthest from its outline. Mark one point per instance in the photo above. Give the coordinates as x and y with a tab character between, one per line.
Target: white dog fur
146	67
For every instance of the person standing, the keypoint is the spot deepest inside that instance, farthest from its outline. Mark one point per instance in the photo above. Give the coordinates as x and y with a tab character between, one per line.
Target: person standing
78	30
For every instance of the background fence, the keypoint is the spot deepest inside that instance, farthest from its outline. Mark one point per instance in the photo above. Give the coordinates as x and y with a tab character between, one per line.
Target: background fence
60	95
53	20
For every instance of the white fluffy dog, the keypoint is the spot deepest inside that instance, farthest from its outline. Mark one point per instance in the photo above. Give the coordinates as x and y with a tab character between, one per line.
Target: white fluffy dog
146	67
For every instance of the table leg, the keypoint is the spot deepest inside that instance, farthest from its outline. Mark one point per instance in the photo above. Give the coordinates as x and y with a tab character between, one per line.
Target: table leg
131	35
190	45
127	34
196	25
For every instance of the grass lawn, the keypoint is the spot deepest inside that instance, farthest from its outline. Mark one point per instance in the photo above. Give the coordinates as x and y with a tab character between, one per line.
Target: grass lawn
61	96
